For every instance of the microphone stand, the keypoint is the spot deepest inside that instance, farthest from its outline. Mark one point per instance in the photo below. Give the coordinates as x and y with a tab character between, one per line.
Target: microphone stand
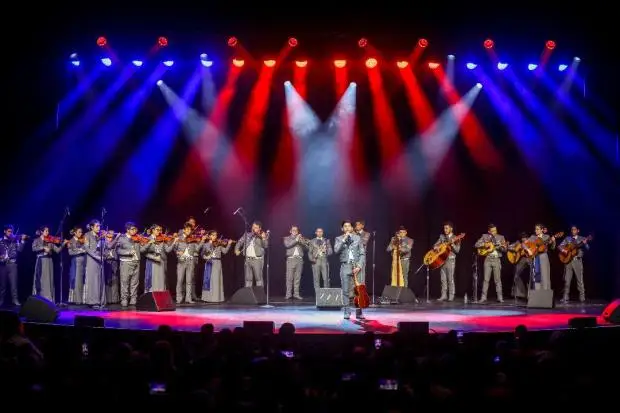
60	232
267	305
475	278
374	298
102	280
428	279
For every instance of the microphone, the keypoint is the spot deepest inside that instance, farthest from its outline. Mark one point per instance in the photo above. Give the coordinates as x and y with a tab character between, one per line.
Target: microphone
206	210
237	211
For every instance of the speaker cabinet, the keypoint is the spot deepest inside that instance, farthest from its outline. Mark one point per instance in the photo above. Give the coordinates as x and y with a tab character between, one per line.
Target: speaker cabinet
540	299
611	313
398	295
413	327
156	301
329	299
258	328
249	296
39	309
582	322
88	321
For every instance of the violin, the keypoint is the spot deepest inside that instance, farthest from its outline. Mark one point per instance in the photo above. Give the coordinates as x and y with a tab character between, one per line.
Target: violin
140	239
193	238
165	237
222	242
52	240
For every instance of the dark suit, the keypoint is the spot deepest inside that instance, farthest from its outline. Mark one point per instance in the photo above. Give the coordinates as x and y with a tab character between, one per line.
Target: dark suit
492	264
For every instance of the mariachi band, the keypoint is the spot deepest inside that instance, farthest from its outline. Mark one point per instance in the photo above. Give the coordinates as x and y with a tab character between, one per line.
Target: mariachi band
105	266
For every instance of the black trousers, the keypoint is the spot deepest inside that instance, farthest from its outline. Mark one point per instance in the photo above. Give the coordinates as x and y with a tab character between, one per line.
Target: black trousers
8	273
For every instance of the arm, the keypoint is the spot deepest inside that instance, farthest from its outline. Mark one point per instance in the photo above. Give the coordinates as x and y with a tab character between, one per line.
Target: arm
169	247
456	247
38	245
408	246
58	248
362	252
338	244
328	247
438	242
290	242
552	244
226	248
265	242
21	243
91	248
480	242
240	244
585	244
389	247
365	238
75	249
503	245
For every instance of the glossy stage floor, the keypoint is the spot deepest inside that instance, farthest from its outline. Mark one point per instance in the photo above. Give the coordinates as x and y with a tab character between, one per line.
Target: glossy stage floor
307	319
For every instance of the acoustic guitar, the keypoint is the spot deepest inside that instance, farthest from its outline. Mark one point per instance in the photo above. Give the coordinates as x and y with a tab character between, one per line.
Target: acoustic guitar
571	250
436	257
488	247
361	299
538	246
515	254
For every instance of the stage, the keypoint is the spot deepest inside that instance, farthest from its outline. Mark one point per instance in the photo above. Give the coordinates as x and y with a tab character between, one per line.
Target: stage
308	319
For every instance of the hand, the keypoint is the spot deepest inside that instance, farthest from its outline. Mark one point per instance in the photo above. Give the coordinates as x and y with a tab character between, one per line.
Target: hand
356	270
47	250
230	242
24	237
237	253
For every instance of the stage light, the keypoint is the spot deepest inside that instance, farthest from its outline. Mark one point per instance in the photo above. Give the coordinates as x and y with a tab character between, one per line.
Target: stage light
75	61
401	64
363	42
423	43
204	60
292	42
451	57
433	65
532	66
479	85
106	61
471	66
137	63
550	44
502	66
238	62
168	63
270	63
353	84
232	41
162	41
287	83
160	82
371	63
340	63
301	63
577	59
488	44
101	41
562	68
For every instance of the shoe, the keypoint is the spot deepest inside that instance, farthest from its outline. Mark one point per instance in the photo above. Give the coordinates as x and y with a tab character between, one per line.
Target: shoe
190	301
288	297
16	303
297	297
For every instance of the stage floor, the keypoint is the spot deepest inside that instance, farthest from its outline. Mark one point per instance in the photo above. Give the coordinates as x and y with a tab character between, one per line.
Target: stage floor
308	320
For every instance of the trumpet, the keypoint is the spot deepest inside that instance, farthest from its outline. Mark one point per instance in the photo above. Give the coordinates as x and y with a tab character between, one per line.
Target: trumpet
303	241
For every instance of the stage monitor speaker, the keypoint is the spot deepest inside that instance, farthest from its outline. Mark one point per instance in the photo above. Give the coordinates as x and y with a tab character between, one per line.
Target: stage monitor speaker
540	299
611	313
329	299
582	322
249	296
413	327
156	301
398	295
88	321
258	328
39	309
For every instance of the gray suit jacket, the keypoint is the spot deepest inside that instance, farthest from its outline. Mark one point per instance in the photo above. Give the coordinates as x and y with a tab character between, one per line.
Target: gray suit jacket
291	244
260	245
577	240
127	250
354	246
406	244
546	238
315	247
498	241
455	248
193	248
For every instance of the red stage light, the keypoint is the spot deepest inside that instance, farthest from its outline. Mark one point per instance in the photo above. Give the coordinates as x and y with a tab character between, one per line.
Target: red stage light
340	63
301	63
550	44
162	41
488	44
402	64
423	43
232	41
363	42
292	42
270	63
433	65
238	62
101	41
371	63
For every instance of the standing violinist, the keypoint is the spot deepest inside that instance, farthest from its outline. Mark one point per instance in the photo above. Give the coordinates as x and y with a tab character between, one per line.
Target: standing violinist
576	264
213	280
44	246
492	261
294	244
254	244
94	284
128	250
77	272
10	246
196	232
156	260
187	250
320	249
542	267
447	269
350	247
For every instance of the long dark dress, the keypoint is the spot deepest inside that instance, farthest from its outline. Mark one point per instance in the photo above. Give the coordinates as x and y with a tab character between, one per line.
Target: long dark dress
77	272
44	268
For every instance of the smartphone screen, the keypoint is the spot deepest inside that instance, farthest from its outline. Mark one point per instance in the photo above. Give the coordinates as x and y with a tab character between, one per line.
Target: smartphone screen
348	376
459	336
388	384
288	354
157	388
378	343
85	350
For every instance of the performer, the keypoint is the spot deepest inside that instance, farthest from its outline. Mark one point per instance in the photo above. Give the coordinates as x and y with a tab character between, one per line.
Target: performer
493	245
294	244
320	248
93	285
519	289
128	248
44	246
196	232
213	280
10	246
365	236
400	247
351	249
110	268
542	268
156	259
187	247
254	244
447	269
77	272
576	264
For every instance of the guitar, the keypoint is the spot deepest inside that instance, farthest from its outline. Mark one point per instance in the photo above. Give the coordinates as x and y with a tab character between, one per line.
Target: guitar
516	254
489	247
538	246
361	300
436	257
571	250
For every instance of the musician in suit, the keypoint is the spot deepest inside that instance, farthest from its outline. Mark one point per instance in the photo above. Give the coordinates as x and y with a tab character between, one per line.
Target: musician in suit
542	267
320	249
576	264
77	271
186	265
254	244
197	275
405	245
294	244
519	288
492	262
447	269
365	236
351	250
10	246
128	252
